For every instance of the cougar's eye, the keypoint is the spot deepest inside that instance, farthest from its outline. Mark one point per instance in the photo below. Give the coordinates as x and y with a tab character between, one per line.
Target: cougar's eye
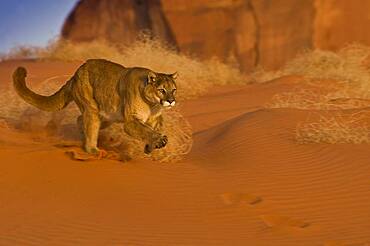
174	91
162	91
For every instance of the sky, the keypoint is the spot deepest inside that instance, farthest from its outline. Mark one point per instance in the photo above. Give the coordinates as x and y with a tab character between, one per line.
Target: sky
31	22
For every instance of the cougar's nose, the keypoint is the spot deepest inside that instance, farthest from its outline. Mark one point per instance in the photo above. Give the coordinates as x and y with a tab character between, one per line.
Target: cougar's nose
172	102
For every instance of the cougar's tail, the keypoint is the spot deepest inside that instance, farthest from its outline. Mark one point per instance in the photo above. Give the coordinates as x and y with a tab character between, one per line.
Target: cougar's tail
55	102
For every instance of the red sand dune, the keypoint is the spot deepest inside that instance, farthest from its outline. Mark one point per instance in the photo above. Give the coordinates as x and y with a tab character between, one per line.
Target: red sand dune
245	182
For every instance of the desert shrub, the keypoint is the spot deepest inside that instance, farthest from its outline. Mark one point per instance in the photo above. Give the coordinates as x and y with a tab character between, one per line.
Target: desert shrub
316	99
260	75
300	99
349	66
175	127
334	129
12	106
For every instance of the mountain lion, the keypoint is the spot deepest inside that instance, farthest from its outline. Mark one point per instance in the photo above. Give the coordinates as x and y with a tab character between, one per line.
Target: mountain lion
104	90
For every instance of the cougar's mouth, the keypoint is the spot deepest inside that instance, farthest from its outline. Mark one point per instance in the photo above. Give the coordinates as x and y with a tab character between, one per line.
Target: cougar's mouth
168	104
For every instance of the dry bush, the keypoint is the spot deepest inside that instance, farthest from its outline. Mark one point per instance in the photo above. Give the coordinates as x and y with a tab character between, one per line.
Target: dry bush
347	65
13	107
175	127
300	99
334	129
260	75
316	99
20	52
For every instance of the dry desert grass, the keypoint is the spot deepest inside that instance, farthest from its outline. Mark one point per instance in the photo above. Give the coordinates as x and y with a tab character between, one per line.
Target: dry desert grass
350	68
315	99
334	129
349	65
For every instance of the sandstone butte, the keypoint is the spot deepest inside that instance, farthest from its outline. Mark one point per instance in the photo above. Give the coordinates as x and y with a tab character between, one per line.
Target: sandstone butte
254	32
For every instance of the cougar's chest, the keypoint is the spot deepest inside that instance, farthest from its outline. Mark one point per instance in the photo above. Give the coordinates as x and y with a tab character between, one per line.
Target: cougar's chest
143	111
155	111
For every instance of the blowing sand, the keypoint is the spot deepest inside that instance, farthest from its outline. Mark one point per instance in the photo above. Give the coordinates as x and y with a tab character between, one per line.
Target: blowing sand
246	180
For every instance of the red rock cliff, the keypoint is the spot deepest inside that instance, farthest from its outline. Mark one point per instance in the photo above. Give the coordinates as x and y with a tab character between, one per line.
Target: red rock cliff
255	32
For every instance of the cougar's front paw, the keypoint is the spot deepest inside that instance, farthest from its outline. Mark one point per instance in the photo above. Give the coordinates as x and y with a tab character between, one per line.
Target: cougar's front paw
161	141
100	153
158	142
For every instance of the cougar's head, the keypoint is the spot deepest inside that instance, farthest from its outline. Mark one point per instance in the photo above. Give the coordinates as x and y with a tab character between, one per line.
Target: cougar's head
162	88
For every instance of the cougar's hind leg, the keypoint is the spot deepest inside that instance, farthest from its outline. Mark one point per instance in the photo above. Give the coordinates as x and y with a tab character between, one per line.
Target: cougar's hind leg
91	126
84	98
80	126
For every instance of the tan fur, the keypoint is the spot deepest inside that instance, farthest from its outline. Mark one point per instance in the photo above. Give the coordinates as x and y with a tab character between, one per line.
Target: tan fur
105	91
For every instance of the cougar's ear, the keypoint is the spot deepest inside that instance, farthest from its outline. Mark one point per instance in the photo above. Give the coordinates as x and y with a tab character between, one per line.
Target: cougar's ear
174	75
152	77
